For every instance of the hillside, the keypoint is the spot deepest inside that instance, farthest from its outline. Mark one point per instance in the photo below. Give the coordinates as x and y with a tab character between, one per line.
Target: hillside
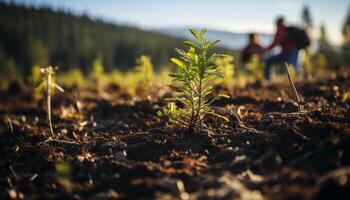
43	36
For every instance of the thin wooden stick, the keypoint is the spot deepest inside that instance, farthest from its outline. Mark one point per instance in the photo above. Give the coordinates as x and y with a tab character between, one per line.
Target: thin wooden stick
49	102
293	86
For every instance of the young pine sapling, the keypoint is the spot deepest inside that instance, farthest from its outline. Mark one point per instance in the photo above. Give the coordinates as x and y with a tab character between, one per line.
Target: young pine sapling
193	83
48	73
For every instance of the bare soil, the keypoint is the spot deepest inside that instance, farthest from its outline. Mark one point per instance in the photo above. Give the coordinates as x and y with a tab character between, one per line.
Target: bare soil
117	148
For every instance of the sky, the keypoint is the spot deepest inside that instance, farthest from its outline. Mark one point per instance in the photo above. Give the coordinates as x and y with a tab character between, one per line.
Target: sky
227	15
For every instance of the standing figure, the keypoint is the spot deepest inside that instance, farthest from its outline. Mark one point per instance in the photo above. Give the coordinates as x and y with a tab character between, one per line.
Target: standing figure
289	52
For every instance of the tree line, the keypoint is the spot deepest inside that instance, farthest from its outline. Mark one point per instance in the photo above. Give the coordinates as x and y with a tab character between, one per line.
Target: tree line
41	36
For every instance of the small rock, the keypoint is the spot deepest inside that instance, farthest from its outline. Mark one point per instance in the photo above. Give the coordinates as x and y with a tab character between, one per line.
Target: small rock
120	155
12	193
110	194
175	186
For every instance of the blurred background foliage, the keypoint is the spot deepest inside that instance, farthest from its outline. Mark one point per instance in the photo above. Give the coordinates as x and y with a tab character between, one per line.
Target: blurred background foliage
33	37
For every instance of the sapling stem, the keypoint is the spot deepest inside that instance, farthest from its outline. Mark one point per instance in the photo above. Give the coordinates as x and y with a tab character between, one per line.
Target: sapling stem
293	86
49	76
49	72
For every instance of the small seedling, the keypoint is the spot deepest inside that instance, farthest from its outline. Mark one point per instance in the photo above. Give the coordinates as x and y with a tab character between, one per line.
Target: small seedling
294	88
34	78
255	67
48	72
97	75
144	72
346	96
196	72
228	69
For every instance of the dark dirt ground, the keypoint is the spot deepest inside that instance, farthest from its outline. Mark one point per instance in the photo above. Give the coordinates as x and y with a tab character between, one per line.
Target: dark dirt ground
119	148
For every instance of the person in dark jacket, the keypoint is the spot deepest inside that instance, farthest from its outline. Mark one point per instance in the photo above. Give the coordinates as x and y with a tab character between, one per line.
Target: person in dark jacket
253	48
289	51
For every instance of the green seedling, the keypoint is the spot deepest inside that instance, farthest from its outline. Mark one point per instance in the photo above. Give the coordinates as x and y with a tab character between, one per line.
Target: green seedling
255	67
228	69
34	78
48	73
193	83
144	72
97	75
346	96
71	78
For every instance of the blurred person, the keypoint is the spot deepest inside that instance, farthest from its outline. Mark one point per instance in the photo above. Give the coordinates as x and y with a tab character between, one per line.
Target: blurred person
287	38
253	48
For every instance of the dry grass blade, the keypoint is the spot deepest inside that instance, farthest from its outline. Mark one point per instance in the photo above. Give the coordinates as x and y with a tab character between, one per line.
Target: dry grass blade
294	88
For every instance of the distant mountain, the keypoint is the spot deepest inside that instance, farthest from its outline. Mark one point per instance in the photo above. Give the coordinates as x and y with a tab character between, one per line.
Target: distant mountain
231	40
227	39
